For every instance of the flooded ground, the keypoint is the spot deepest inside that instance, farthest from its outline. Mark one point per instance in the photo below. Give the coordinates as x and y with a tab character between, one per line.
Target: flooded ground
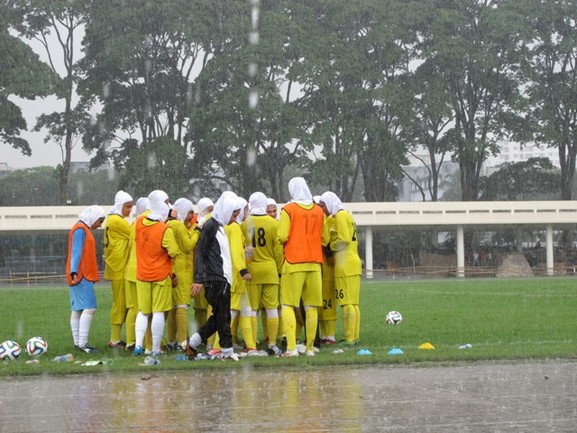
528	397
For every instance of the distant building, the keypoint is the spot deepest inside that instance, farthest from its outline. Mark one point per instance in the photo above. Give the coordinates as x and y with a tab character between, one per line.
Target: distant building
5	169
515	152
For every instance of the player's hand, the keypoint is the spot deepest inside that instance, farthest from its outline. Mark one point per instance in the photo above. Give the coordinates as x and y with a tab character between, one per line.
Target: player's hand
74	278
196	288
174	280
247	276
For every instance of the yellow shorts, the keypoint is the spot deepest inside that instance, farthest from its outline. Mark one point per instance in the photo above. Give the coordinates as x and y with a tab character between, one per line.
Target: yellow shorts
263	296
181	295
200	302
155	296
307	285
348	289
131	300
329	309
118	309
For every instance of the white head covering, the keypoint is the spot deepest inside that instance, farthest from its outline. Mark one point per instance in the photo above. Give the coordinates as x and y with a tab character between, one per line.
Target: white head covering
91	214
242	204
258	203
317	199
157	195
224	207
202	205
158	208
182	206
332	202
270	201
142	205
158	211
299	191
120	199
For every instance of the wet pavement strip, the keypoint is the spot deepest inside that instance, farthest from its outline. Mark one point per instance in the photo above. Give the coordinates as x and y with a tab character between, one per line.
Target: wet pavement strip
476	397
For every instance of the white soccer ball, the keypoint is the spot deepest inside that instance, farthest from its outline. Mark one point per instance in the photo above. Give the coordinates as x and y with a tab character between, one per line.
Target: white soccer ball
36	346
394	318
9	350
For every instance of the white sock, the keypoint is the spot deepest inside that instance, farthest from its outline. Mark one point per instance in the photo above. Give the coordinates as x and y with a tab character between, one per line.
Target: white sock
195	340
84	326
157	328
140	326
75	325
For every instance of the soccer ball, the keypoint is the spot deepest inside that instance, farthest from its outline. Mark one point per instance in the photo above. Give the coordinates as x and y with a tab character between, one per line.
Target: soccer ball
394	318
36	346
9	350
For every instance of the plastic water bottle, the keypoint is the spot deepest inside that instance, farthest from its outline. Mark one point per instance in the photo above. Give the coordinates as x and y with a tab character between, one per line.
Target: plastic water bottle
69	357
149	360
248	253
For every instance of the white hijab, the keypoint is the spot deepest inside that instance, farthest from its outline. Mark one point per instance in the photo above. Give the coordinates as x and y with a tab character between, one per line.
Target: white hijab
242	204
120	199
224	207
158	208
182	206
91	214
332	202
142	205
299	191
258	203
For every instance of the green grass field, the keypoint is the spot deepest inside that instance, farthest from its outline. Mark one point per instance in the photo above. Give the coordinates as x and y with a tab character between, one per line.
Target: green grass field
502	319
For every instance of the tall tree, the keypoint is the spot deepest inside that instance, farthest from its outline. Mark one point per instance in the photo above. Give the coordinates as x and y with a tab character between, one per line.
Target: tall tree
473	44
551	71
57	25
22	74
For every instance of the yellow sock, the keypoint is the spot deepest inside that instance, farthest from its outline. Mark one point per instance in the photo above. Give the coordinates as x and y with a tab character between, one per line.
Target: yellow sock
116	333
234	328
312	320
331	326
181	325
289	327
199	317
349	322
171	326
272	327
263	319
245	324
358	327
254	327
130	331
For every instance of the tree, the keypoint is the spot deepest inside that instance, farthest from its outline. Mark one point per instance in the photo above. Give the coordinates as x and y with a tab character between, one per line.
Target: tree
551	72
162	164
29	187
534	179
61	21
22	74
473	45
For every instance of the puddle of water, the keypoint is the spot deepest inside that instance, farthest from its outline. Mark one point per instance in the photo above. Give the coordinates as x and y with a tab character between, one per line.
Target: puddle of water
469	398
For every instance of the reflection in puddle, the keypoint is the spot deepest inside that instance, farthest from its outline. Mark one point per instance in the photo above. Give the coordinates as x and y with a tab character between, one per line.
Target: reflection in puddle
476	398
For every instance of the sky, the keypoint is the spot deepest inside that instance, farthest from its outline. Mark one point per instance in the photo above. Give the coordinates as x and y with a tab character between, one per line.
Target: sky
43	154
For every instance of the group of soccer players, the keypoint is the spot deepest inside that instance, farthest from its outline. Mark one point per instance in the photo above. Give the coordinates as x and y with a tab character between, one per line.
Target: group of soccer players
231	261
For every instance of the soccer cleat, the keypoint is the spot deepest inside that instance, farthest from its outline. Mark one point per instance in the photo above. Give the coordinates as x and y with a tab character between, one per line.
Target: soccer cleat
138	351
290	354
301	348
273	350
118	345
87	348
156	354
310	353
130	347
214	352
191	353
256	352
172	347
328	341
231	357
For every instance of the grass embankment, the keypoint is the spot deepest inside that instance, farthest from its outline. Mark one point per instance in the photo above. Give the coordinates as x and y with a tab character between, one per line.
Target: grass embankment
502	320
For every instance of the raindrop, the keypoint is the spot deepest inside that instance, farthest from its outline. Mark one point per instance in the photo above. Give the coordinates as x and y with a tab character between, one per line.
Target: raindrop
252	69
151	161
253	37
251	157
254	16
106	91
253	98
148	66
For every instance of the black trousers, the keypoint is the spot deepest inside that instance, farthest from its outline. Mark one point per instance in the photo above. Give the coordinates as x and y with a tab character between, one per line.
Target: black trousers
218	296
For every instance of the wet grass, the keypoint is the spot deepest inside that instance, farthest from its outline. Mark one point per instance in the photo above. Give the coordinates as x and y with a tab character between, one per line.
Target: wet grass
525	319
